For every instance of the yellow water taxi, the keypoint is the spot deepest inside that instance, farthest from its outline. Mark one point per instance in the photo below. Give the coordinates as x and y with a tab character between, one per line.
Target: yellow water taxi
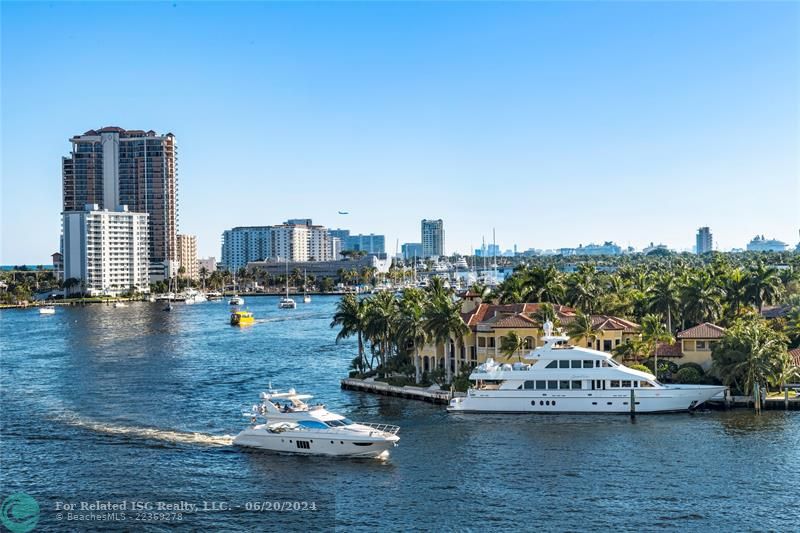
242	318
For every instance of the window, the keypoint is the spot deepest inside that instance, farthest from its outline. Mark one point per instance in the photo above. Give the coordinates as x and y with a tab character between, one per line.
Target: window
688	346
552	364
529	385
491	342
563	364
564	384
577	384
626	384
482	342
645	384
552	384
588	364
614	384
304	444
576	364
541	384
700	346
607	346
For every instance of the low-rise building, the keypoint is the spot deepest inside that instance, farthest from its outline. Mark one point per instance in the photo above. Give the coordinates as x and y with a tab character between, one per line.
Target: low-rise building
58	265
489	323
693	345
208	263
321	269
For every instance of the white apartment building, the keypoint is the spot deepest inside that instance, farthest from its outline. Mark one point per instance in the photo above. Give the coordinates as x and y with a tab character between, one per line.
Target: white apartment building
108	251
296	240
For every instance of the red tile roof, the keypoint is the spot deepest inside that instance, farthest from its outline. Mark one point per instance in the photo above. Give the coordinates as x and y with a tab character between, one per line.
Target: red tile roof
669	350
608	323
795	354
706	330
511	321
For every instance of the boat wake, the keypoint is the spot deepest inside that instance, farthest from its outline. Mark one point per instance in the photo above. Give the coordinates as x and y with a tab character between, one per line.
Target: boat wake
163	435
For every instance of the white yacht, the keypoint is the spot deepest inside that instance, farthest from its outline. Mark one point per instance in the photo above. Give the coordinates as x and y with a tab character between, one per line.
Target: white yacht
559	378
193	296
283	422
47	310
236	300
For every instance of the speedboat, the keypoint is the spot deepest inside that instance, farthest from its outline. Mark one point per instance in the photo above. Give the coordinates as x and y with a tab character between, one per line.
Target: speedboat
242	318
560	378
287	303
306	299
120	304
213	296
236	300
284	422
47	310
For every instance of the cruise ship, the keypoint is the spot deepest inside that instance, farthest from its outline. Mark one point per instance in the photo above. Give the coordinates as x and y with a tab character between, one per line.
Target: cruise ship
561	378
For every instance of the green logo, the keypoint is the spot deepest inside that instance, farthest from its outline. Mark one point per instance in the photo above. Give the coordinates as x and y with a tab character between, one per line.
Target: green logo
20	513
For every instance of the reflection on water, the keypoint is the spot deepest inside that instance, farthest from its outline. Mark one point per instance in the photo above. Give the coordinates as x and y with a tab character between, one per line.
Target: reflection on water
102	402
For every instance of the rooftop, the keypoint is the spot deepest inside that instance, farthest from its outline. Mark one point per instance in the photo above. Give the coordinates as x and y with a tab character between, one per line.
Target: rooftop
706	330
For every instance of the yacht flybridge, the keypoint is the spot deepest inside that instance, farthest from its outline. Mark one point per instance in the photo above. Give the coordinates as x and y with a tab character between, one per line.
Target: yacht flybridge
283	422
560	378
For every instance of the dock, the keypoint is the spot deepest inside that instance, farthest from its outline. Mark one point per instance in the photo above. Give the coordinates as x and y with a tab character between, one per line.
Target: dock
412	393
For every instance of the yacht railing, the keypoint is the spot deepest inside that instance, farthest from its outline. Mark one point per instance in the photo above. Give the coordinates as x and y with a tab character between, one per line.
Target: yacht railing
386	428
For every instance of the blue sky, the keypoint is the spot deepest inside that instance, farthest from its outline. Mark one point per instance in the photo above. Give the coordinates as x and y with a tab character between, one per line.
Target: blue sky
555	123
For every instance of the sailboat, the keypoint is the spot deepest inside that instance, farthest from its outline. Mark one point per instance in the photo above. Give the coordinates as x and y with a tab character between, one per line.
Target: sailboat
170	296
306	296
286	302
235	299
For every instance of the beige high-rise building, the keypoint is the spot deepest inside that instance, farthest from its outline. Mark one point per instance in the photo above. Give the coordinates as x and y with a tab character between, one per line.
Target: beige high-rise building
111	167
187	256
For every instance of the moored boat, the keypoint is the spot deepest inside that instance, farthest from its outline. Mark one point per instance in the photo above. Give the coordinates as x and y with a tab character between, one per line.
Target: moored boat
560	378
47	310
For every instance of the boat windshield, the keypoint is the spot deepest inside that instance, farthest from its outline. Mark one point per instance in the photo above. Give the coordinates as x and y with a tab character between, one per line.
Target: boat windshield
339	423
312	424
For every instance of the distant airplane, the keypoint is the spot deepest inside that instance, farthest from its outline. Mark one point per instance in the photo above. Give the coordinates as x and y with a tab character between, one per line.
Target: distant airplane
344	213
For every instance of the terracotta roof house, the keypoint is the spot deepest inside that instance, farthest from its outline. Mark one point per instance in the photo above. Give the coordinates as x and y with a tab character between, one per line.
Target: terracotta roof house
488	323
693	345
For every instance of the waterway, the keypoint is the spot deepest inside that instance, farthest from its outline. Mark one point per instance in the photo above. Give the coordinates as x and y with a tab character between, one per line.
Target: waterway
137	405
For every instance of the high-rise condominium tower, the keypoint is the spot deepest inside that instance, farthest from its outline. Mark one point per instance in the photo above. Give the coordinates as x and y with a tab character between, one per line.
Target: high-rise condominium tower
432	238
111	167
705	241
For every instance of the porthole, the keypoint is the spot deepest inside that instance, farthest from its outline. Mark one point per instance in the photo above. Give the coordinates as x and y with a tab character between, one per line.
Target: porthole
290	441
547	402
331	442
594	403
554	402
341	442
533	402
541	402
608	403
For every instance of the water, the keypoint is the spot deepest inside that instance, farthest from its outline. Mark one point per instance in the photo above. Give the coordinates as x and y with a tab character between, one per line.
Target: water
138	405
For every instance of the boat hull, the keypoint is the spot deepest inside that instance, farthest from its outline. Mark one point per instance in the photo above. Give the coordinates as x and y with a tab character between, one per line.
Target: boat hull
667	400
302	443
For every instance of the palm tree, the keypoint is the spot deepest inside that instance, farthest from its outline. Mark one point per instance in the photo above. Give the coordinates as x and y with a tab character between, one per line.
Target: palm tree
511	344
203	274
785	372
350	315
381	319
582	327
664	297
701	299
412	326
545	312
764	286
736	288
749	354
545	284
512	290
654	332
444	323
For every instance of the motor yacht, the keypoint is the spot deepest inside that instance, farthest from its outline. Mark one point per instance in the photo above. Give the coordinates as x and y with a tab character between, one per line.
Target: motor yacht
236	300
561	378
47	310
213	296
284	422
